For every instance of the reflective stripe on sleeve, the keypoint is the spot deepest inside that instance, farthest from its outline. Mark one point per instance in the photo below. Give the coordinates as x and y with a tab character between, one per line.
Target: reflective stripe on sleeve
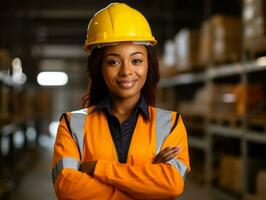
77	122
180	166
163	127
66	162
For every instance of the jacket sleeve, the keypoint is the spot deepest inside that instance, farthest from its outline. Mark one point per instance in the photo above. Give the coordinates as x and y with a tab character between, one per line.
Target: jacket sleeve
69	183
150	181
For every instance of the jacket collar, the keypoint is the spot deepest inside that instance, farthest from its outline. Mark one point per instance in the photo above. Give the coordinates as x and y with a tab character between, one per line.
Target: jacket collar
106	105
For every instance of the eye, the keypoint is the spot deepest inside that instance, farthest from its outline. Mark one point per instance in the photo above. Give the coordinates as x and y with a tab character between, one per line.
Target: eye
136	61
112	62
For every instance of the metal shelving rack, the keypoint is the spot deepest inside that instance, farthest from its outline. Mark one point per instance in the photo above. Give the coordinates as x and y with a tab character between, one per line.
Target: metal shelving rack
242	133
15	159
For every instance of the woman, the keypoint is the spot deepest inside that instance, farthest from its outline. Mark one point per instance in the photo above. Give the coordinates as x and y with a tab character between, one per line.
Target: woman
120	146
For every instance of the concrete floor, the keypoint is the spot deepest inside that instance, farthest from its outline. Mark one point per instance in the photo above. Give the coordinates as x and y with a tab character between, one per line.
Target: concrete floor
37	184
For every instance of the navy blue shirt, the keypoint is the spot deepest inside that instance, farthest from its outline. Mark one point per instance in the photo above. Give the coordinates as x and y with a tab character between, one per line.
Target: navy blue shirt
122	133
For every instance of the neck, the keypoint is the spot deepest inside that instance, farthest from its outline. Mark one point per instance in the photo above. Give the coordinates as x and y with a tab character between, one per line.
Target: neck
122	107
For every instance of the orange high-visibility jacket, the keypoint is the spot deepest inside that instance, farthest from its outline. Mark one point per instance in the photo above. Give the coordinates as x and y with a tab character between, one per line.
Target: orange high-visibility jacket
90	139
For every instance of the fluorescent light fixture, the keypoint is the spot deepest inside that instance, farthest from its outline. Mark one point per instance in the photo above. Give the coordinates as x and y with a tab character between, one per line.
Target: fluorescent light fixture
52	78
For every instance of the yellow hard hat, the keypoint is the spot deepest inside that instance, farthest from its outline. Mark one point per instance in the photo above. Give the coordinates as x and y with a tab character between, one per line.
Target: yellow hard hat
116	23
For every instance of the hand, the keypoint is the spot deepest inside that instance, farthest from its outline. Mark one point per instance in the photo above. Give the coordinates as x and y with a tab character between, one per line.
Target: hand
88	167
166	155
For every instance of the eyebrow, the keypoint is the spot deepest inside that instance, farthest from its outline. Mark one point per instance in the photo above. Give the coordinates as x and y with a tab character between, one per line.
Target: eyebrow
116	54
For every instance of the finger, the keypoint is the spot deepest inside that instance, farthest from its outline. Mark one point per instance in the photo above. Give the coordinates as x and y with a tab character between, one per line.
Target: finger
159	157
164	156
168	158
161	152
166	151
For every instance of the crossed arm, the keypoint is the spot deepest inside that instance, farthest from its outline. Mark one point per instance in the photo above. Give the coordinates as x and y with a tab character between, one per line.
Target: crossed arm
156	180
164	156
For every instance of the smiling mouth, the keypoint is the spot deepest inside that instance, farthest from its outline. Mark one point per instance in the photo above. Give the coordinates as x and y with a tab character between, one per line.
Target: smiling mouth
126	84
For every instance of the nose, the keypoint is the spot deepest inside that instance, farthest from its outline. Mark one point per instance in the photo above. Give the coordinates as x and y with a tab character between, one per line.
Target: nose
125	69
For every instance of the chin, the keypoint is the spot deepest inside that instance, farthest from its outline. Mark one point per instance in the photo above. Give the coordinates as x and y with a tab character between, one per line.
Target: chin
127	95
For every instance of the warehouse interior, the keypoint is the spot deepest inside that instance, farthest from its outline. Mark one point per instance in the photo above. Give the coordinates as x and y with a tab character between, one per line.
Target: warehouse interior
212	56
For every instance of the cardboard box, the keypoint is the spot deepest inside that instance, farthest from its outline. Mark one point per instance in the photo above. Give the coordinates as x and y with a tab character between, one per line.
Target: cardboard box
254	25
226	38
186	48
261	184
205	56
167	64
230	176
235	99
220	40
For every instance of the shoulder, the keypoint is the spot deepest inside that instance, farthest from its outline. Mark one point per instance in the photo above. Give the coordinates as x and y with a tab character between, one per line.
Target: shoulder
164	114
161	110
83	111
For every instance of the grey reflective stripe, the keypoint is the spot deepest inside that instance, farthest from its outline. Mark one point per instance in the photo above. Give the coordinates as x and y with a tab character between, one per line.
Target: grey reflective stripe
163	127
65	162
180	166
77	122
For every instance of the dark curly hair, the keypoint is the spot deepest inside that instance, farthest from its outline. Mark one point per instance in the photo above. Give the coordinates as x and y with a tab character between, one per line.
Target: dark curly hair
98	90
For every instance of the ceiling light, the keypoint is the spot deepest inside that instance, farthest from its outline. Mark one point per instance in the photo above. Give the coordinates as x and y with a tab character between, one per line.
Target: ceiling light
52	78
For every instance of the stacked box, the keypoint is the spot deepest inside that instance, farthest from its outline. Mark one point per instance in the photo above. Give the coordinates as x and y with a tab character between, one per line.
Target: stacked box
200	104
230	176
261	184
220	40
168	61
186	48
235	99
205	44
254	22
226	38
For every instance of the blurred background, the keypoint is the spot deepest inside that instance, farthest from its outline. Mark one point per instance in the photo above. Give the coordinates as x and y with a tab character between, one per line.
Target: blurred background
212	57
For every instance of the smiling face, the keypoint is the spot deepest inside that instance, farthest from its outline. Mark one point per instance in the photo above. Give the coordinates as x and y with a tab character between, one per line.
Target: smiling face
124	69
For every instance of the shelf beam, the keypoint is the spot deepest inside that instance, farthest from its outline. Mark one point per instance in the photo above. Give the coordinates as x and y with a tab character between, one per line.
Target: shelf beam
197	143
182	79
214	72
224	131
